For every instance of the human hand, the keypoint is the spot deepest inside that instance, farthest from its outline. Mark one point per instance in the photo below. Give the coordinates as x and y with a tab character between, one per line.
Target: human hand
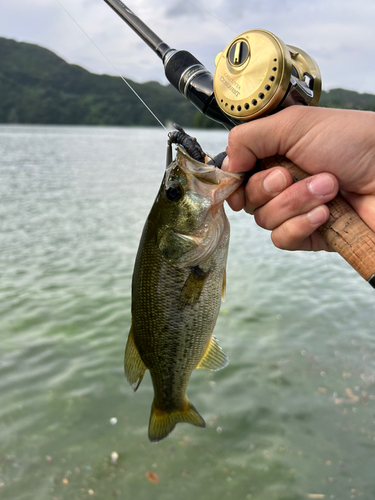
337	147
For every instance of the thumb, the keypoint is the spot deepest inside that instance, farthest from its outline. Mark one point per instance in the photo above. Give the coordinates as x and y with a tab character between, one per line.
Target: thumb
262	138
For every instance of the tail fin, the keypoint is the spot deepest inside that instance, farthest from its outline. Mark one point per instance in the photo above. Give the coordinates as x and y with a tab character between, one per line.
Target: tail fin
162	422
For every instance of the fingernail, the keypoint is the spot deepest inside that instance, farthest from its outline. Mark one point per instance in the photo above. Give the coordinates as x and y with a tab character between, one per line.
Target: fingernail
225	164
275	182
317	216
321	185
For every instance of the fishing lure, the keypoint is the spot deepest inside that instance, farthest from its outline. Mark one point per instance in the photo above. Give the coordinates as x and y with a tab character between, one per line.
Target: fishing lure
192	147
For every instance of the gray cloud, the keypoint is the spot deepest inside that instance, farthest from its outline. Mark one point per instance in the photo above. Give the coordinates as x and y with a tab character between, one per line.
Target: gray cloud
339	34
181	8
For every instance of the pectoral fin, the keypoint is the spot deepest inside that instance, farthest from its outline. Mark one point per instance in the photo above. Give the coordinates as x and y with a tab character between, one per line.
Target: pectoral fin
214	357
193	287
134	366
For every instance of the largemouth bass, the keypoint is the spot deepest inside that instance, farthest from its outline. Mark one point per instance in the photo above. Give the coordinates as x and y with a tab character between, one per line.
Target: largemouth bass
178	282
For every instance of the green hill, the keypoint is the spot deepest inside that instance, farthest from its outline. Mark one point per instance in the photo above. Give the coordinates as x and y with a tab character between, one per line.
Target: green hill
347	99
37	86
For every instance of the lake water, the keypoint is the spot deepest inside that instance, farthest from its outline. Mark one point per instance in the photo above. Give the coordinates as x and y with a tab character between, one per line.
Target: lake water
293	415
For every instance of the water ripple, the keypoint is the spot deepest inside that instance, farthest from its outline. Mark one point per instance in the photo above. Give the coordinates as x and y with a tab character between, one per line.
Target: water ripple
293	409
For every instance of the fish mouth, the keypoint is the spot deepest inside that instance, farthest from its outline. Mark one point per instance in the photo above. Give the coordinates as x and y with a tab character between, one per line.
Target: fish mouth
207	181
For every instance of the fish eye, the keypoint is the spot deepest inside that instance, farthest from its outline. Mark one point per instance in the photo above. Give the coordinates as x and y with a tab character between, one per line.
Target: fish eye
174	192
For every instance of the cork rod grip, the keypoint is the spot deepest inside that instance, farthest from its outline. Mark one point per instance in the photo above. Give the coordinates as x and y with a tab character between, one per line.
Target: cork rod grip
344	231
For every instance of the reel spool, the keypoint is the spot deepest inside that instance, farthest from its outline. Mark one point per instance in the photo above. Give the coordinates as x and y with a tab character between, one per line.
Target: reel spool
258	74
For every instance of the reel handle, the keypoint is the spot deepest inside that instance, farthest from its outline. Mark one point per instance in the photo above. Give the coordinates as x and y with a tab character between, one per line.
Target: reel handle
345	232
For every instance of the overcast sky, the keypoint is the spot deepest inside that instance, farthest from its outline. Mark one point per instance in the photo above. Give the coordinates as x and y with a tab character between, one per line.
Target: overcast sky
338	34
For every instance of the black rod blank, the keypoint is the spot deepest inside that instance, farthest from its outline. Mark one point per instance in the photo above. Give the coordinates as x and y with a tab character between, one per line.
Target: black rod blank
143	31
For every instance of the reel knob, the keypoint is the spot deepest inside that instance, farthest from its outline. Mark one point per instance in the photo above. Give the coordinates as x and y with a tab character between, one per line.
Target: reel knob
257	74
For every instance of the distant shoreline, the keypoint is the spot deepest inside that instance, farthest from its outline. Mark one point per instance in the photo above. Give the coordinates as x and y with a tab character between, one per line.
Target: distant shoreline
39	88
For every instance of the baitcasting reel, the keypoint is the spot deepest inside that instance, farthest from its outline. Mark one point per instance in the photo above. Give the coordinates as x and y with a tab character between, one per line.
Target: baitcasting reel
258	74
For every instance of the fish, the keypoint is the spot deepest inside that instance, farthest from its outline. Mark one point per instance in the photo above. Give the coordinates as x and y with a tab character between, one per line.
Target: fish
177	286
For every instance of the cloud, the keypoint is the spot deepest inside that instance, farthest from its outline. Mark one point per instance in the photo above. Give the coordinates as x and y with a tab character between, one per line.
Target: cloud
339	34
180	9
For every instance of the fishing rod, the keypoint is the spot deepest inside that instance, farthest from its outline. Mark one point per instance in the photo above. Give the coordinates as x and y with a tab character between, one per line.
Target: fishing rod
256	75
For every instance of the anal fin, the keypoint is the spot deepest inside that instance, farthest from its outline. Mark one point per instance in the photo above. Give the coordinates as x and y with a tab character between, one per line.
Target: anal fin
214	357
134	366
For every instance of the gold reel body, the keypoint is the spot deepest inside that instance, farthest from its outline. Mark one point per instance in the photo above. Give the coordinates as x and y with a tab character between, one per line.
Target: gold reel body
257	74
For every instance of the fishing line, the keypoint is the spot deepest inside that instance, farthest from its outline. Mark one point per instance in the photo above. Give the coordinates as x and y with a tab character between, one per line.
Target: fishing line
213	15
113	66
